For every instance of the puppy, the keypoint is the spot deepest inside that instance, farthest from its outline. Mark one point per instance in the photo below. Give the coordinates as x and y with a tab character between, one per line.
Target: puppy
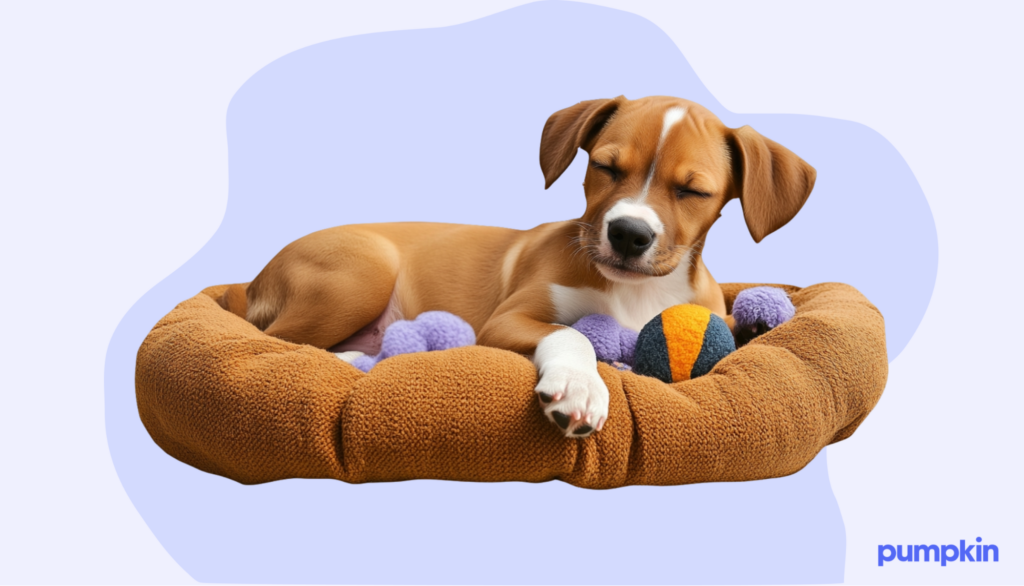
660	171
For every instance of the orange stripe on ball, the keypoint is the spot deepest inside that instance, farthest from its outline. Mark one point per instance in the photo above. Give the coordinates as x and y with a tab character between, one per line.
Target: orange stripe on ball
684	327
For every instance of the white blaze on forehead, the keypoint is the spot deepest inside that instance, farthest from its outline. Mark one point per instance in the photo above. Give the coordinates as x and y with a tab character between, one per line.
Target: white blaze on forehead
672	117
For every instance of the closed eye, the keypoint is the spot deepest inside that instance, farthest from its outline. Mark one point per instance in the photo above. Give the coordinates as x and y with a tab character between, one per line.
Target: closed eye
684	192
611	171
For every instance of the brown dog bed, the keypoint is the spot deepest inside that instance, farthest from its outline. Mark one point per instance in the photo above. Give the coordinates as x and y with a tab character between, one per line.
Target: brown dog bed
217	393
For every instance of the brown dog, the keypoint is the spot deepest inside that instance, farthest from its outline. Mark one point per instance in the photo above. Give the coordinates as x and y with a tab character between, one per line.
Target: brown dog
661	169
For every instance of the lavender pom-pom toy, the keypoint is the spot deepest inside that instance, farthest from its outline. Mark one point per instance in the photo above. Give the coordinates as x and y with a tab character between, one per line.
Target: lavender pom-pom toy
612	342
431	330
758	310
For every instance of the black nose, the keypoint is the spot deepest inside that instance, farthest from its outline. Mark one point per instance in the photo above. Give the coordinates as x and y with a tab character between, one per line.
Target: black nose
630	236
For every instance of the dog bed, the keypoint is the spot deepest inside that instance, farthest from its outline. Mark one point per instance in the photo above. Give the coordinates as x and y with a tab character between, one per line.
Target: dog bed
217	393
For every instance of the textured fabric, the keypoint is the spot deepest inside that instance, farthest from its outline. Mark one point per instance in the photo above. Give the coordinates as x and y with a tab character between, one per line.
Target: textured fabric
717	344
683	327
651	357
216	393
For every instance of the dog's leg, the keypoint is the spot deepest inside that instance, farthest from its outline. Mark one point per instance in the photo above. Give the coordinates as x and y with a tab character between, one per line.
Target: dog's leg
569	388
233	299
308	297
575	397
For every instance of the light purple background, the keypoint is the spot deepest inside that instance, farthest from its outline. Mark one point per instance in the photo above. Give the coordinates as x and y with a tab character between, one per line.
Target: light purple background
66	502
443	125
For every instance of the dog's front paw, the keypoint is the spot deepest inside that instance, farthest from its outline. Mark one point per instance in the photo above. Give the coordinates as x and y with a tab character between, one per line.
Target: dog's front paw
574	400
573	395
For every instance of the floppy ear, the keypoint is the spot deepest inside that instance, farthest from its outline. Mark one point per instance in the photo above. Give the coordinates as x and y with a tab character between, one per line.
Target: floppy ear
771	182
569	129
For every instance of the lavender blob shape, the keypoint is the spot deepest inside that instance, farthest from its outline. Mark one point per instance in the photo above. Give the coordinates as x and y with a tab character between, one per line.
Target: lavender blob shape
612	342
431	330
765	305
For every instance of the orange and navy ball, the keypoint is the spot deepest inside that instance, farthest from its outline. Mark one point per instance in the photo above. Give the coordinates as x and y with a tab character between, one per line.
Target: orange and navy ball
681	343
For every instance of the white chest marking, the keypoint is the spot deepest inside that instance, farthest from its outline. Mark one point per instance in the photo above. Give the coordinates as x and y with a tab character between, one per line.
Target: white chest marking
631	304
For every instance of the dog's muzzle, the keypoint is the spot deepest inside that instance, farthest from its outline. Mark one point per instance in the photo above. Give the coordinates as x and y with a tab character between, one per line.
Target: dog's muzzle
630	237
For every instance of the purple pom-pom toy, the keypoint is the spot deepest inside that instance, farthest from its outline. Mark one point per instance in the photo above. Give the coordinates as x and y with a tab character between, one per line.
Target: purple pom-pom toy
758	310
612	342
431	330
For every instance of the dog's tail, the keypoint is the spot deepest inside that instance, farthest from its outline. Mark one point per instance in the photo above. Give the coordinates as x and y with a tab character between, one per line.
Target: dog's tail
234	300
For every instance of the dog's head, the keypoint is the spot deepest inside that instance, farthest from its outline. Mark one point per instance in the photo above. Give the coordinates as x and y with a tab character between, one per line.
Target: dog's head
660	171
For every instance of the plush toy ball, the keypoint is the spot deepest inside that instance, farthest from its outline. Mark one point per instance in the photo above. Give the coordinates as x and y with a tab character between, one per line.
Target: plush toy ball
431	330
612	342
683	342
758	310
